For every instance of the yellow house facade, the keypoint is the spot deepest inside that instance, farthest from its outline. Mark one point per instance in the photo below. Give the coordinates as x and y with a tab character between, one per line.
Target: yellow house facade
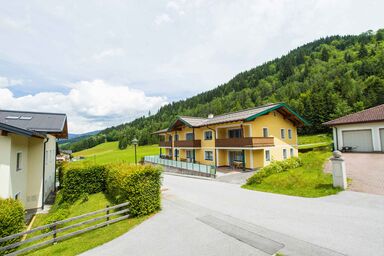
28	154
248	139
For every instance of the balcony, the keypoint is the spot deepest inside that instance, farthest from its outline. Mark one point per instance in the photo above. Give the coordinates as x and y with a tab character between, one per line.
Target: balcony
245	142
165	144
188	143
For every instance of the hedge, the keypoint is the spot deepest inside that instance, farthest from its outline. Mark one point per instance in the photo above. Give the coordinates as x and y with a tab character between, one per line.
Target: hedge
273	168
138	185
82	179
11	220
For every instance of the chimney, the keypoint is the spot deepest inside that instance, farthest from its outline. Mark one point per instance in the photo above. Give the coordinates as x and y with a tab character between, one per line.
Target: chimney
210	116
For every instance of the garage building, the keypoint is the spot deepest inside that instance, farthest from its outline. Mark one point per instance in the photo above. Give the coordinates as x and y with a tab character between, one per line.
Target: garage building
360	132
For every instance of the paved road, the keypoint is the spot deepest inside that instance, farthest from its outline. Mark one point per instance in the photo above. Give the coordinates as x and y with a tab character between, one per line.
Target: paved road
203	217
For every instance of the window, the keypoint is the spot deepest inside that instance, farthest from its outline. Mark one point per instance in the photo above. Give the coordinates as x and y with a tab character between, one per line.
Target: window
235	133
267	155
282	131
208	155
208	135
265	132
170	138
284	153
18	161
189	154
291	152
289	134
176	137
189	136
176	152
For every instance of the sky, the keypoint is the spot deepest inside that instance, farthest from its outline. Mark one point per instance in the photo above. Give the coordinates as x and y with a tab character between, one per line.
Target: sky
104	63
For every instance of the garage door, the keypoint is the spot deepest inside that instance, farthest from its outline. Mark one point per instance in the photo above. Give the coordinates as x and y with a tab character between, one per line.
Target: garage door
360	140
382	139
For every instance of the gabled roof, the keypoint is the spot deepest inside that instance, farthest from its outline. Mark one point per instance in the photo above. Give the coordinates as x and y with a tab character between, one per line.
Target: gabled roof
375	114
243	115
39	122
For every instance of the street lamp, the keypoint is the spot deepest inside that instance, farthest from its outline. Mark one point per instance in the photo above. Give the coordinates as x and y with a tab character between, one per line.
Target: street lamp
134	142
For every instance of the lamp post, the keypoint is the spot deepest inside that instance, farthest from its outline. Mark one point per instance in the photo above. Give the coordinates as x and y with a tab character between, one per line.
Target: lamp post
134	142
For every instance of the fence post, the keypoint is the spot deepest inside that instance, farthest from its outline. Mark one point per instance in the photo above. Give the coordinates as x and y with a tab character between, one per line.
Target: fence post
107	214
54	228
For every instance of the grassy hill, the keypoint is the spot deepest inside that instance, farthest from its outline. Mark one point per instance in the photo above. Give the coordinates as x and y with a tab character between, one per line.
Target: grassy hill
108	152
321	80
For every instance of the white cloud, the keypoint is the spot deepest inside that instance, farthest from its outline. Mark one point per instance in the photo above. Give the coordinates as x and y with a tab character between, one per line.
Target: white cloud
162	18
7	82
113	52
90	105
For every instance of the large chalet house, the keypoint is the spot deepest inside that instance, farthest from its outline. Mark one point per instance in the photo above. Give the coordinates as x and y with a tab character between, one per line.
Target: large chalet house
28	153
247	139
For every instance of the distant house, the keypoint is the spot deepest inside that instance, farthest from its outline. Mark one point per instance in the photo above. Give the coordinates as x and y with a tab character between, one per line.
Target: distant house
247	139
360	132
28	153
64	155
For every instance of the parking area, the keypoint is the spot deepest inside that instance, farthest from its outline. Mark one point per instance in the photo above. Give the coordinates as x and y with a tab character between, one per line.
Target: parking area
366	171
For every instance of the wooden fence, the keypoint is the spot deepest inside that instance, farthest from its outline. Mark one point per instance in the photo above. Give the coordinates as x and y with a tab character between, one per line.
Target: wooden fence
54	230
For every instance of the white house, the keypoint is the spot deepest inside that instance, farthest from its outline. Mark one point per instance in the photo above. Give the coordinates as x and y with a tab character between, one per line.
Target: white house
360	132
28	153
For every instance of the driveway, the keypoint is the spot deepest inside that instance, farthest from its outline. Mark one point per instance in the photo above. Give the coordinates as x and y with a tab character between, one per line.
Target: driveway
366	171
205	217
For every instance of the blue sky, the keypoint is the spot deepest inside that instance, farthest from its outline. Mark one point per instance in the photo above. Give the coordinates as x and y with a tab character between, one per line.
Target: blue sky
108	62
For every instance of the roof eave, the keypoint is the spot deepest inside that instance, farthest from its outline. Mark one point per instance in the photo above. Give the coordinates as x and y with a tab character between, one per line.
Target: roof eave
253	117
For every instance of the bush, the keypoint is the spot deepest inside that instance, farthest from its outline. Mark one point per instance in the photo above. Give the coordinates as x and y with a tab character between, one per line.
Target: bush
138	185
80	180
273	168
11	220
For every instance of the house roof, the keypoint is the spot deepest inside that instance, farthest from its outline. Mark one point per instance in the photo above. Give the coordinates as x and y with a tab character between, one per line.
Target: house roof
38	122
243	115
20	131
375	114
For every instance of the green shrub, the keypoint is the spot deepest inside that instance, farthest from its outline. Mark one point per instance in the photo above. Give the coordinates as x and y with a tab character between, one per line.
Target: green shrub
79	180
11	220
273	168
138	185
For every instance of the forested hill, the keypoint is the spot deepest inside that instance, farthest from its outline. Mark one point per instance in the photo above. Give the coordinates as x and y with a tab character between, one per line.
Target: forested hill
321	80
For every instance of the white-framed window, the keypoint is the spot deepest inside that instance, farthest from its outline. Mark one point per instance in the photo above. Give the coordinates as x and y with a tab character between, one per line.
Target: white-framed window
284	153
291	152
19	161
208	135
235	133
208	155
267	155
289	133
265	132
17	196
282	133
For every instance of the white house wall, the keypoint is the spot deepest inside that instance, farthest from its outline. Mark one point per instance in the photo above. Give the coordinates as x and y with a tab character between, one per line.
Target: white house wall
5	166
374	127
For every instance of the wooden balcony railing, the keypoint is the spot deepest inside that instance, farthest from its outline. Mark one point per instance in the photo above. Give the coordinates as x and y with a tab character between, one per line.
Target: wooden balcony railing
245	142
188	143
165	143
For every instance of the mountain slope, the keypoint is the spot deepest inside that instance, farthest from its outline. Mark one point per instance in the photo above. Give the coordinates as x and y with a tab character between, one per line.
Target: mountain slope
321	80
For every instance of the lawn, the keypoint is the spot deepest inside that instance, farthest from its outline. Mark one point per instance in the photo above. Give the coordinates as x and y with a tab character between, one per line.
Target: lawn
309	180
86	241
109	152
314	141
